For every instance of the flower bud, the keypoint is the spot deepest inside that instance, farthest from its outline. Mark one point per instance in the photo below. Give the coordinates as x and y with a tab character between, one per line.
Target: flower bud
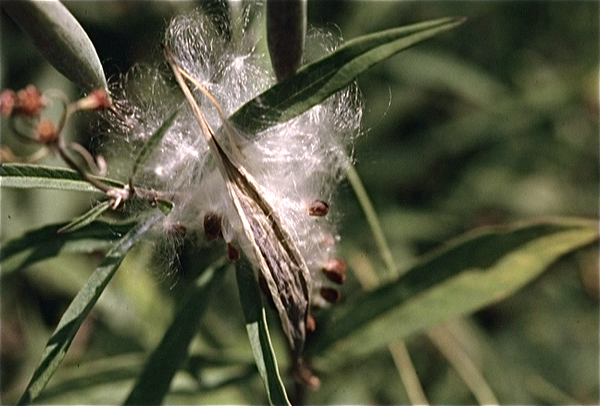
318	208
46	131
29	101
96	100
7	102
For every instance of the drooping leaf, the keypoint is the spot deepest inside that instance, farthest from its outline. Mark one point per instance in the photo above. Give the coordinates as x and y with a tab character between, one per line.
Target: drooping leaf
315	82
27	176
465	275
61	39
258	333
80	307
85	218
45	242
153	383
152	143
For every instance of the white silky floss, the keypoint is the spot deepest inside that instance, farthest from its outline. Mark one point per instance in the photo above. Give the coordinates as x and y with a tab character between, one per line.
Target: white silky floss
296	162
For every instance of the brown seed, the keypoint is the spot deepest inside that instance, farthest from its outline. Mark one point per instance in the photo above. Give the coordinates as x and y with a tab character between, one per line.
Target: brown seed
311	325
305	376
334	270
212	226
318	208
175	230
331	295
233	253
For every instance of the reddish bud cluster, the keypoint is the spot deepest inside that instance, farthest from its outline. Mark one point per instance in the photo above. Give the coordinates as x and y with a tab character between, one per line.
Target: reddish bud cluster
27	102
7	102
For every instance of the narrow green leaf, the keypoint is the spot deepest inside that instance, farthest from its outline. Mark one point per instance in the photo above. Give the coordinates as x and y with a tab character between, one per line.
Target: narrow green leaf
467	274
286	33
77	381
86	218
315	82
45	242
27	176
80	307
61	39
153	383
152	143
258	333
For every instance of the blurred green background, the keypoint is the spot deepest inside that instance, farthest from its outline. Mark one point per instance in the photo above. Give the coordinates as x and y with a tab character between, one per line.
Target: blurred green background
493	122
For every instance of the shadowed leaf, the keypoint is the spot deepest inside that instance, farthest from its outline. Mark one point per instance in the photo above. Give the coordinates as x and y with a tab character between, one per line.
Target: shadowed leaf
153	383
315	82
258	333
86	218
46	242
61	39
465	275
80	307
27	176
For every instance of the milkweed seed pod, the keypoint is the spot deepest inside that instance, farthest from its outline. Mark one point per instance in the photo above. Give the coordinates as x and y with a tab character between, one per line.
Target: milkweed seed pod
270	195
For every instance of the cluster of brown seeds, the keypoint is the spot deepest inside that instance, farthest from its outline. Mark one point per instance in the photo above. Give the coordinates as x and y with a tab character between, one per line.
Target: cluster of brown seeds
333	270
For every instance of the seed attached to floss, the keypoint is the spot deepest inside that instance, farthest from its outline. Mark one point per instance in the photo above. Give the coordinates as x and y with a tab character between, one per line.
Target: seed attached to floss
311	325
233	253
212	226
334	270
318	208
175	230
331	295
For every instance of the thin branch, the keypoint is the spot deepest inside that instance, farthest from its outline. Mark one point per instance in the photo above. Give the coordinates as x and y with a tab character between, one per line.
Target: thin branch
462	364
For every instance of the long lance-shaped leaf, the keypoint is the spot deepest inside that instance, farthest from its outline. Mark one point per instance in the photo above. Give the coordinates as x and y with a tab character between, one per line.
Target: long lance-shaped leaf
153	383
80	307
45	242
27	176
278	258
466	275
86	218
258	333
315	82
152	143
61	39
